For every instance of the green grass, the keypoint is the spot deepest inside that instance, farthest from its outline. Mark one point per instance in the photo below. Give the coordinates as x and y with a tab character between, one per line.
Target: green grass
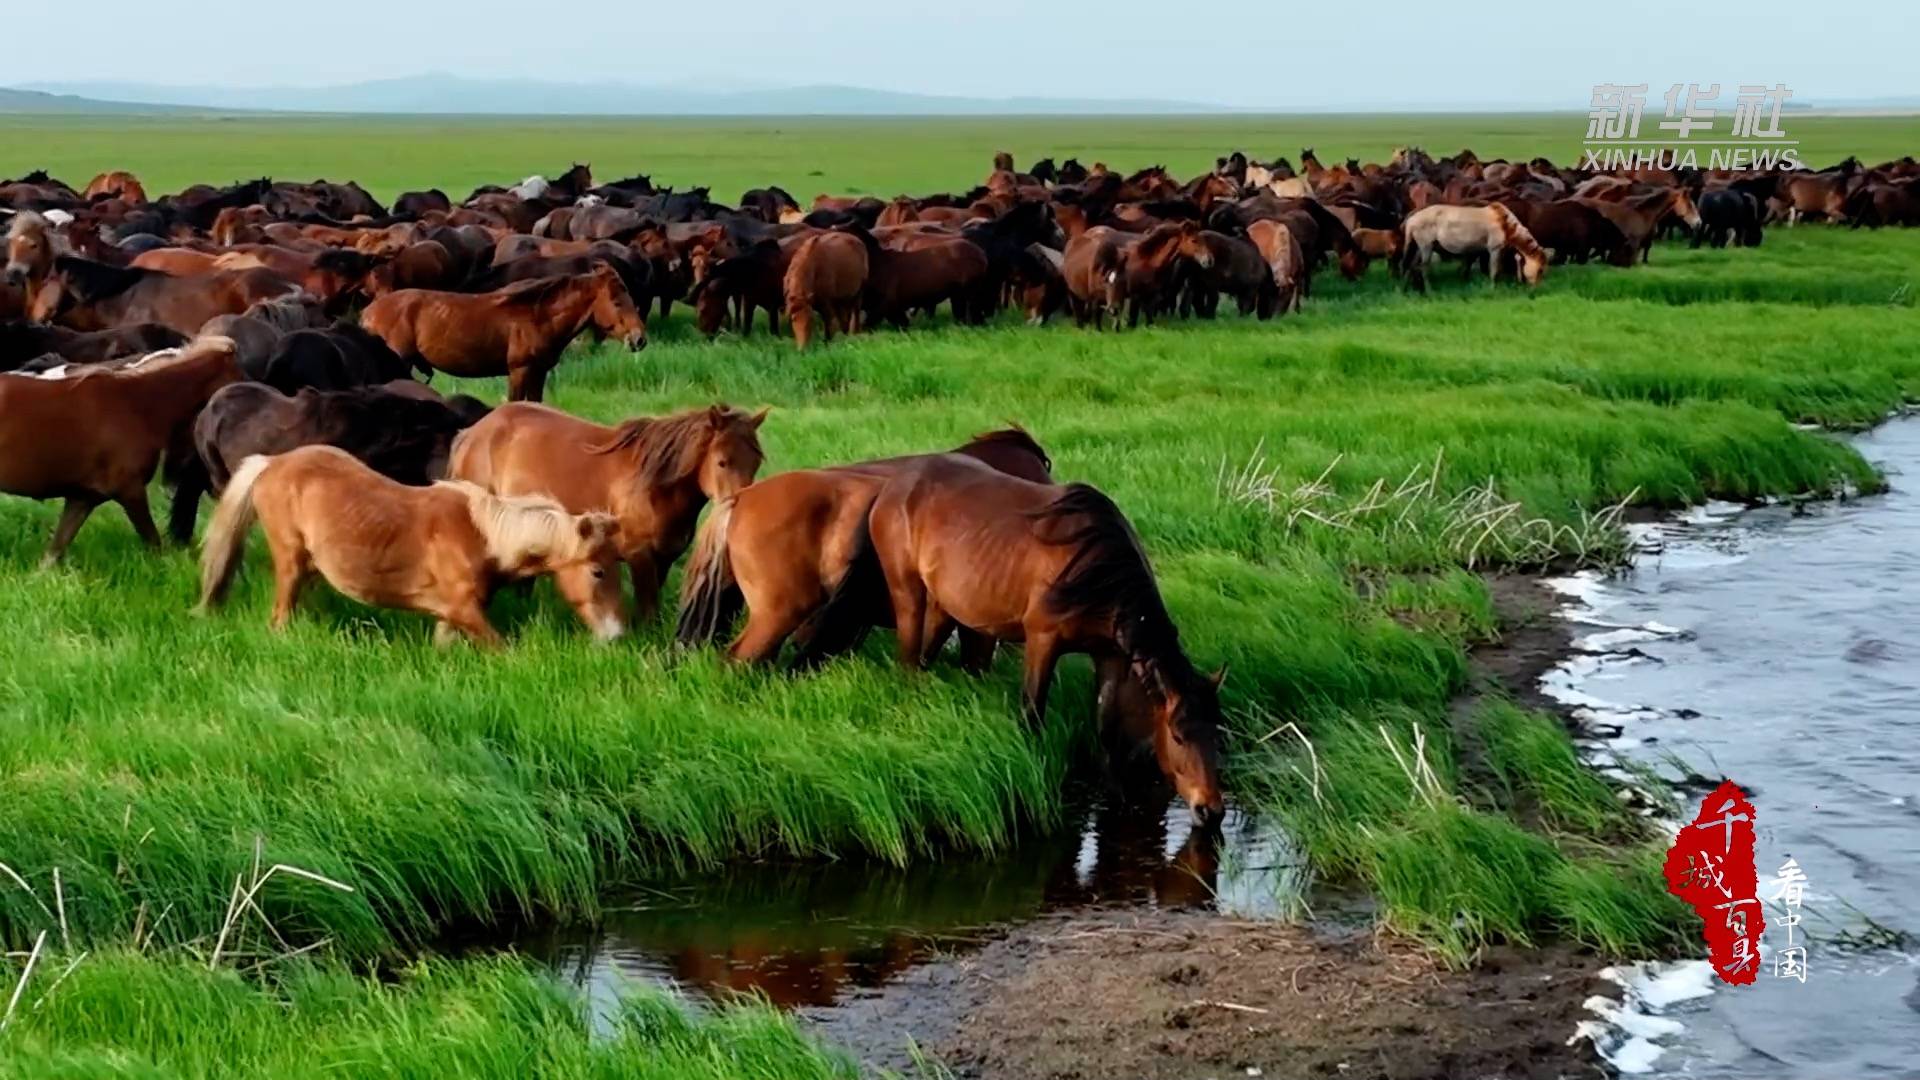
131	1016
807	156
1311	490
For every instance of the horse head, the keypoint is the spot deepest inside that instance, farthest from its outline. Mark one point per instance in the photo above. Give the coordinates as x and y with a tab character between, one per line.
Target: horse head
733	456
1186	732
614	313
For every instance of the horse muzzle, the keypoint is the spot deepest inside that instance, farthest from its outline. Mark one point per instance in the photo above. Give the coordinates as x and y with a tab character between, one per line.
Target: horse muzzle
636	341
17	273
1207	815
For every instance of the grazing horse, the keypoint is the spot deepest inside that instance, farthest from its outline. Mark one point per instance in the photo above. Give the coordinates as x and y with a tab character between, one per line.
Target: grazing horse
1470	232
88	295
1147	268
519	331
1059	568
652	474
786	547
441	550
98	437
1286	262
828	273
401	430
339	357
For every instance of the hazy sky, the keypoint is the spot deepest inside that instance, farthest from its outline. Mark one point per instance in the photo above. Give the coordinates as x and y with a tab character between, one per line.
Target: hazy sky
1367	53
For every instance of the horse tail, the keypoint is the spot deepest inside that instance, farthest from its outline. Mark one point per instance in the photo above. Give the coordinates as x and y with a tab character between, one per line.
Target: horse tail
227	533
840	624
710	599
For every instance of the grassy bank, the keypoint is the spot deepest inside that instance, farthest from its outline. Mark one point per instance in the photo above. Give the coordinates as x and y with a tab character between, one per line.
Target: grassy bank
123	1015
1389	441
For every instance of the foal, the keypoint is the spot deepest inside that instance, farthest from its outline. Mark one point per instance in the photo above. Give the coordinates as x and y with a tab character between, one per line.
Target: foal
441	550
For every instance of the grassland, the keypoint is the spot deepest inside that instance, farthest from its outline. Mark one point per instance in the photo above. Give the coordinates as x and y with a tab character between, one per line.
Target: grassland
147	753
881	156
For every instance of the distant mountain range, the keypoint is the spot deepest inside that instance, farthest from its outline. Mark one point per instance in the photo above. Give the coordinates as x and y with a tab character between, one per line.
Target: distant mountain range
43	103
438	93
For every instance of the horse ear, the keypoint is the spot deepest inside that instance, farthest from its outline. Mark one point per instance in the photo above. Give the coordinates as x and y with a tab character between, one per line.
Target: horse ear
717	416
1218	678
754	421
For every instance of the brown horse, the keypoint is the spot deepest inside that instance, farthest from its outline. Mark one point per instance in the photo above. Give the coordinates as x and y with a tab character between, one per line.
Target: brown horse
441	550
99	436
519	331
1638	217
1058	568
653	474
87	295
1146	271
1286	262
787	546
115	185
828	273
32	245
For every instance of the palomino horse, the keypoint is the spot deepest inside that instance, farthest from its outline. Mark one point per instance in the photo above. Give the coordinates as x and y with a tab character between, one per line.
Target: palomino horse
519	331
1059	568
652	474
787	546
441	550
1468	232
87	295
99	436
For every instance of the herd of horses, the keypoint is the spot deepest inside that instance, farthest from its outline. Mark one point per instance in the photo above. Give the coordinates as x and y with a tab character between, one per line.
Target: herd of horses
259	343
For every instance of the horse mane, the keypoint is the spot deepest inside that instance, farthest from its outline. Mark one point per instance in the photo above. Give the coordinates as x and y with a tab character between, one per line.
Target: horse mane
1012	435
28	220
1156	238
536	290
1516	234
519	526
670	447
1108	576
95	281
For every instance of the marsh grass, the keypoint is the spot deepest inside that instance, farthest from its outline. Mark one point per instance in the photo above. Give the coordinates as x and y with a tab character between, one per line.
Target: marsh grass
121	1014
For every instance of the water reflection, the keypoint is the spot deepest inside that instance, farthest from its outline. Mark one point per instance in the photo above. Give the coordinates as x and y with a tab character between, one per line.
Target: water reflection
813	934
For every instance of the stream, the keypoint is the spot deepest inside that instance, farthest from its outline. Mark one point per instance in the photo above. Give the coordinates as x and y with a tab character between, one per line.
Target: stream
1780	647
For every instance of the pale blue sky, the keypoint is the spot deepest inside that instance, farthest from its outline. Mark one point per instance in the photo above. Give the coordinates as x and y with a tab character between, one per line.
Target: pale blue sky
1370	53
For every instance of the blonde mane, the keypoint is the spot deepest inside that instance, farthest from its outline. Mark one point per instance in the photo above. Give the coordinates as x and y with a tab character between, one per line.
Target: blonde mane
522	529
1516	234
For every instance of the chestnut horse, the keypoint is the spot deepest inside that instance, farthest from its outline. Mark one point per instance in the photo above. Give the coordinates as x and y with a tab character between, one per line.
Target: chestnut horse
441	550
786	547
652	474
87	295
115	185
1058	568
99	436
32	245
519	331
828	272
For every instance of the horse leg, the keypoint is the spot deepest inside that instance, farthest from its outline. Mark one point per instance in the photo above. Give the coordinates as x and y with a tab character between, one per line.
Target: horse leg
936	628
134	505
72	516
646	586
909	598
976	651
767	629
1043	652
471	619
193	483
291	569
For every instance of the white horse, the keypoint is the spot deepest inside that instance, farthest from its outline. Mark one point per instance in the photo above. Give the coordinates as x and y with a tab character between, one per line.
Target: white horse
533	187
1469	231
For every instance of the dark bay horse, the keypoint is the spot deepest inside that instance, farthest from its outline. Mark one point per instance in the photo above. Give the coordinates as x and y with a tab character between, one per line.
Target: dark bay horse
402	430
653	474
1058	568
519	331
788	545
98	437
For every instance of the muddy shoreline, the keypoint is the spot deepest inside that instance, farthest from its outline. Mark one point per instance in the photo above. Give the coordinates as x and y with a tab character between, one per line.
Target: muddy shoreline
1165	993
